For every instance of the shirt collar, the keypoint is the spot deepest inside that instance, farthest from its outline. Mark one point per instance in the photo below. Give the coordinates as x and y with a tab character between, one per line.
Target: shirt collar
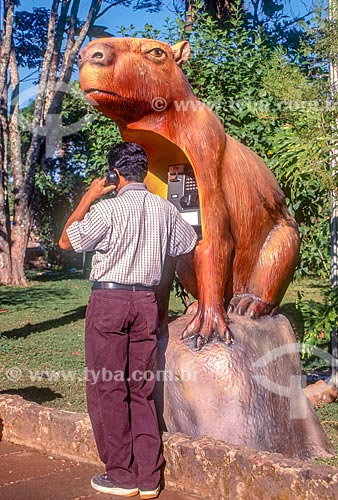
139	186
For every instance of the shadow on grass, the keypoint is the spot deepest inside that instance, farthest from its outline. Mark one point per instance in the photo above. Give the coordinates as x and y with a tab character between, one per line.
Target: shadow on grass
31	296
45	276
29	329
35	394
295	317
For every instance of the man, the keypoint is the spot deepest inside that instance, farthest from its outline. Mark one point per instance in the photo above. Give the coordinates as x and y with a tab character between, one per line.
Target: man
130	235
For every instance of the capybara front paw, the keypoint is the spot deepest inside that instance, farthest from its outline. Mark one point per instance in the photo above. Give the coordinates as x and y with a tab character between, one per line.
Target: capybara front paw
206	326
251	306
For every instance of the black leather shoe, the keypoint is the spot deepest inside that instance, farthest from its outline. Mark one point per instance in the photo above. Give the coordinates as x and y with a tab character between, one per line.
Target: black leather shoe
102	483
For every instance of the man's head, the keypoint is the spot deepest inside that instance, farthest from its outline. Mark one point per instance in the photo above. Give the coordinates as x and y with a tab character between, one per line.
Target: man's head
130	160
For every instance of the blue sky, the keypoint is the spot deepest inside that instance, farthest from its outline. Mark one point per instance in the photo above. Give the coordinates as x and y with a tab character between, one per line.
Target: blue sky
113	20
116	16
122	16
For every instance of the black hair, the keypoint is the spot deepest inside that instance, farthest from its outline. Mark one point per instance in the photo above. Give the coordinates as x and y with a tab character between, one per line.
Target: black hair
130	160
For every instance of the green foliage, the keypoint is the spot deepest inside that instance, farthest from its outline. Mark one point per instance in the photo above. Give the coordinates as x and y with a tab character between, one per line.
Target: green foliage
30	36
302	153
58	185
302	150
326	37
320	319
225	70
302	169
98	133
58	188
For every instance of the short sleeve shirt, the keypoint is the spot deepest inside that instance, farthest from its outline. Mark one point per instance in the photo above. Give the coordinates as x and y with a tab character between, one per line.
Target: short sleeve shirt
131	235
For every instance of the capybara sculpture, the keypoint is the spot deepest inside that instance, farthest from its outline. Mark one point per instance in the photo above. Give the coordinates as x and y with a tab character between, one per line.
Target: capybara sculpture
250	242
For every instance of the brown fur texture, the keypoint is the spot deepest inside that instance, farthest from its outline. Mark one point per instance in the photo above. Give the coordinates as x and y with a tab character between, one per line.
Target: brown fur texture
250	242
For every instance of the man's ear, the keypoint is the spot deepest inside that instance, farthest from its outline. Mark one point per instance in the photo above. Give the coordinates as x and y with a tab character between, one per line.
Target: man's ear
181	52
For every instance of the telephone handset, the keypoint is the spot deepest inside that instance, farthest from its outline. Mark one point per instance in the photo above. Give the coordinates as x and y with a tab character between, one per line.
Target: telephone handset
112	178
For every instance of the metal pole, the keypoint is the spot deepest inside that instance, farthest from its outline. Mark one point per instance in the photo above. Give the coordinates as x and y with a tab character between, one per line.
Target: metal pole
334	205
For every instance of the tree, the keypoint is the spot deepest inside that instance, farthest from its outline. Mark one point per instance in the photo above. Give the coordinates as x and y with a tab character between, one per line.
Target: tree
54	54
5	53
267	16
56	71
220	10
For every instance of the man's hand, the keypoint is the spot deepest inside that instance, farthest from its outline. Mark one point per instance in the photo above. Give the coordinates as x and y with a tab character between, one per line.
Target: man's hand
96	190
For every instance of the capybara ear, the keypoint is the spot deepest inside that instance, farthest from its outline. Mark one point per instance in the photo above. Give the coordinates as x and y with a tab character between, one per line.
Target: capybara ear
181	52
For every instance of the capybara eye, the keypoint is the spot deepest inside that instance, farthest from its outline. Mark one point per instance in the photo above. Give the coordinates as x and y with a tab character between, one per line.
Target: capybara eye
157	52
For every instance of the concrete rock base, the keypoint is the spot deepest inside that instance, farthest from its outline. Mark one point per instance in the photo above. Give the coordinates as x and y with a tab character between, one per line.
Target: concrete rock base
248	393
203	466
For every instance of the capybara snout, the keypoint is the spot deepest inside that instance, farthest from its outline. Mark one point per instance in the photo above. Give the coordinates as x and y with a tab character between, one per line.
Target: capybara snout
97	53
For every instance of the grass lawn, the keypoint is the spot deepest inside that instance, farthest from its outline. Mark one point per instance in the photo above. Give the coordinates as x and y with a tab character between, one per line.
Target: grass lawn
42	340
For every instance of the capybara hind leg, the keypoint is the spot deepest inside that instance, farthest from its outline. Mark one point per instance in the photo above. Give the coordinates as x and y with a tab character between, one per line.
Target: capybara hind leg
272	273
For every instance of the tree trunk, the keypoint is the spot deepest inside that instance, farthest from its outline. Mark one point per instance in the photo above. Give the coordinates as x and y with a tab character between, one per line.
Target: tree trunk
5	257
220	9
21	217
6	40
20	232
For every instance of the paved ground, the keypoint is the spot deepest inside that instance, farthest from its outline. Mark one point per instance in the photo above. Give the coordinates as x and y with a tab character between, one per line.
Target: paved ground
26	474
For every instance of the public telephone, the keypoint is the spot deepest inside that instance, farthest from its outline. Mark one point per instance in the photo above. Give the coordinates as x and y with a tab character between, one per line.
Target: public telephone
183	193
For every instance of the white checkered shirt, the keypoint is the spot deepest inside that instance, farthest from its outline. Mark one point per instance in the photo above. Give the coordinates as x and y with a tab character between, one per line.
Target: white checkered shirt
131	235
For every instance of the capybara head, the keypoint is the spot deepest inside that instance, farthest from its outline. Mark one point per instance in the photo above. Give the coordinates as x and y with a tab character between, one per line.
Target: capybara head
128	78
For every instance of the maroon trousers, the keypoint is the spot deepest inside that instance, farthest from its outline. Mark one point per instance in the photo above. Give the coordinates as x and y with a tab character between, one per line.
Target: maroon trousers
121	351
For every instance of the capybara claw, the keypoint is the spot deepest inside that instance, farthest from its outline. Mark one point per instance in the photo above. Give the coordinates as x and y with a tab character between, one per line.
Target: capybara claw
260	308
200	341
250	305
233	303
206	327
186	335
227	337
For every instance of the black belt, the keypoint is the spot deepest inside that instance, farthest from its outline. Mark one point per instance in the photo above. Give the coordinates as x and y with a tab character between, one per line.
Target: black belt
107	285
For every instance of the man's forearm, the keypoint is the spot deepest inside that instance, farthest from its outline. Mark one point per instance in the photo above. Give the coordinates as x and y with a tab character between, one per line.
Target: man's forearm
77	215
96	190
